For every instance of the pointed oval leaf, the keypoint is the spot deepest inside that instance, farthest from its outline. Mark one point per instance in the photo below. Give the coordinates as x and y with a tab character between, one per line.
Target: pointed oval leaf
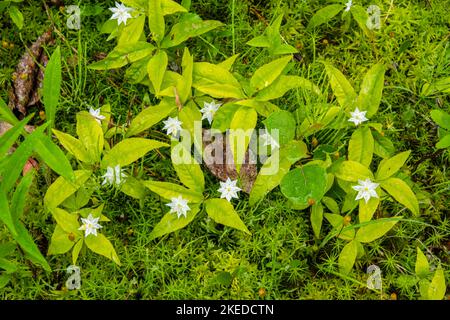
361	146
347	257
101	245
170	222
401	192
222	211
169	190
129	150
268	73
375	229
389	167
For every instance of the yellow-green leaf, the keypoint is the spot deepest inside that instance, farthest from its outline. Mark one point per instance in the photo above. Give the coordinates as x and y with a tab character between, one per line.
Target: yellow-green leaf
101	245
90	134
436	290
72	145
169	190
366	210
375	229
422	267
347	257
401	192
389	167
61	189
170	222
352	171
361	146
268	73
221	211
129	150
156	68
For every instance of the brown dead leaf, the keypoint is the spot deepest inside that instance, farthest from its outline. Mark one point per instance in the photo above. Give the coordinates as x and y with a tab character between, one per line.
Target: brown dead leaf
222	165
27	79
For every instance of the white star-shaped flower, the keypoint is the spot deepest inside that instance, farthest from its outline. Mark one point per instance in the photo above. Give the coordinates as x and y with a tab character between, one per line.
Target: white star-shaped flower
348	5
268	140
209	109
358	117
179	206
90	225
96	114
366	190
172	126
121	13
114	176
229	190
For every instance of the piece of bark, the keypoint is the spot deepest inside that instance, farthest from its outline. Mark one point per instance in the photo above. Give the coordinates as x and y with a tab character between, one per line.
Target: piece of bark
222	165
26	74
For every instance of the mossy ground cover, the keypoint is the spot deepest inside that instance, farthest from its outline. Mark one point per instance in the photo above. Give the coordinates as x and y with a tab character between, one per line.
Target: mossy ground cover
282	259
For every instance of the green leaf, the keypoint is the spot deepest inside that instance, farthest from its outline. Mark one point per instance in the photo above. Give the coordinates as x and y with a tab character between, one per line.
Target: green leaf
132	32
190	174
441	118
171	7
223	116
122	55
383	146
150	116
216	81
184	30
422	267
389	167
156	20
67	221
367	210
324	15
134	188
16	16
371	90
264	108
284	122
10	137
436	290
228	63
343	232
347	257
259	41
51	154
72	145
316	218
76	251
187	65
25	241
241	129
13	165
189	116
361	16
137	71
361	146
375	229
101	245
129	150
351	171
7	115
275	168
268	73
342	89
52	85
19	197
5	214
60	242
90	134
221	211
330	203
444	142
169	190
401	192
170	222
283	84
156	68
61	189
305	186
